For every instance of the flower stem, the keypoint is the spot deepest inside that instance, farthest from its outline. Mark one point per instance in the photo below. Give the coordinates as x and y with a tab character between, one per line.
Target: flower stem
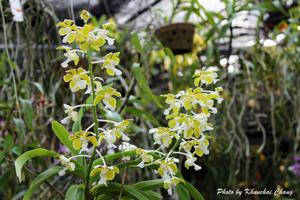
95	118
174	147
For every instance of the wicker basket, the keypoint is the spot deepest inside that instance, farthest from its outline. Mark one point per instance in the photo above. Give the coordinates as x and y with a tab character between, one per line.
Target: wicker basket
178	37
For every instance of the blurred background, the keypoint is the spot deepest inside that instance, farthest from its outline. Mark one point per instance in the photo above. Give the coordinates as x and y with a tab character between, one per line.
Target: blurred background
253	43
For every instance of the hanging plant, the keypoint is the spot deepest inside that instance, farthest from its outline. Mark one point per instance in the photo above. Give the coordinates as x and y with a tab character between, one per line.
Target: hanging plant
178	37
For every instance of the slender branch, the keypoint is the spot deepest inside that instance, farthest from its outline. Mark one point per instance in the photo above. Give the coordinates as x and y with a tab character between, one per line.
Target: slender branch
128	93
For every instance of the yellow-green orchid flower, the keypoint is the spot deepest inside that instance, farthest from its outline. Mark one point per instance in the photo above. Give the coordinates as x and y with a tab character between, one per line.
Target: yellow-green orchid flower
85	16
201	147
110	62
173	102
68	29
78	79
107	97
162	136
80	140
205	77
106	173
145	156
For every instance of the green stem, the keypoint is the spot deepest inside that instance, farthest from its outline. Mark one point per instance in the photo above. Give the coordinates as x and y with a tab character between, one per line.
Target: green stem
174	147
95	118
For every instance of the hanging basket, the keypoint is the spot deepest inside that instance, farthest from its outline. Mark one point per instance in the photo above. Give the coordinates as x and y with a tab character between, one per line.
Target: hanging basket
274	18
178	37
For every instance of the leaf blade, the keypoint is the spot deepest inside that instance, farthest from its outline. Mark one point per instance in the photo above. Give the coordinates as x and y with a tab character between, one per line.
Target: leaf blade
143	85
135	193
136	42
149	185
21	160
193	191
63	136
74	192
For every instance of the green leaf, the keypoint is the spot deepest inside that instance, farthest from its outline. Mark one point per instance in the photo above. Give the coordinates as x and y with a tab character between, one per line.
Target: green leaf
182	192
39	87
136	42
75	192
210	18
40	179
135	192
171	56
112	115
8	143
111	188
104	192
193	191
143	85
20	128
149	185
21	160
105	197
63	136
154	195
27	111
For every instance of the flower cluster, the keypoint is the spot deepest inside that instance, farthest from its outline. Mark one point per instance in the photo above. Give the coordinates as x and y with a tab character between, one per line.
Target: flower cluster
187	116
90	39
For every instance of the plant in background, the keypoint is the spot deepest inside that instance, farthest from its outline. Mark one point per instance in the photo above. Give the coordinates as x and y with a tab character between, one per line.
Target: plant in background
100	150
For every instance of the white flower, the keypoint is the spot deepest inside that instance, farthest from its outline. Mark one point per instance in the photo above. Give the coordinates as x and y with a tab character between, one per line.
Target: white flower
162	136
206	76
97	84
115	133
190	162
101	33
68	165
125	146
174	104
202	147
145	156
167	171
110	138
71	55
69	110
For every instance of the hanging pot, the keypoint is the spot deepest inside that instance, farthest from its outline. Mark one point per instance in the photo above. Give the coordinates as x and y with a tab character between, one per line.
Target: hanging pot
178	37
274	18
